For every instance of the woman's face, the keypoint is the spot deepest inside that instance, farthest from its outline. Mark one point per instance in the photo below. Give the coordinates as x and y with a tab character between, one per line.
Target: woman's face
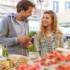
46	20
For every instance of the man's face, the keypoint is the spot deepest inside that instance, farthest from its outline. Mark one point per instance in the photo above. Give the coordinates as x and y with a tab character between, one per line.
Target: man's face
27	13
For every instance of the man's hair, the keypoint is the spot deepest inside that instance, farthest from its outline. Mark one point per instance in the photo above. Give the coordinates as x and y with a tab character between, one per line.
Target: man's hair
24	5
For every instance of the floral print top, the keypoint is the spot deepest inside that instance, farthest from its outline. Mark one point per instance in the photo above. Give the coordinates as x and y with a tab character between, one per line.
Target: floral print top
45	45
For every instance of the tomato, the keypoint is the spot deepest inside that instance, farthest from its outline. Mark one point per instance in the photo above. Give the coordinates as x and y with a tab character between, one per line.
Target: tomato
64	67
59	56
22	67
34	67
60	68
68	57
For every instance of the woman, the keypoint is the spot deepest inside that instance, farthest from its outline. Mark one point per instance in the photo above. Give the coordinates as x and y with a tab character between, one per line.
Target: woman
49	37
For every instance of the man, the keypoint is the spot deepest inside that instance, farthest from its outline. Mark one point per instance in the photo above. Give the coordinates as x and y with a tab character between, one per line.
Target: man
14	28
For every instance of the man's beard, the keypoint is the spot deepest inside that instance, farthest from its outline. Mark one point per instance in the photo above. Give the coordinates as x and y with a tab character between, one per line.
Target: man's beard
23	18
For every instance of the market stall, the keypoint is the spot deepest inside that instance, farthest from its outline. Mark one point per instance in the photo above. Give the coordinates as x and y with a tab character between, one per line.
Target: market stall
51	61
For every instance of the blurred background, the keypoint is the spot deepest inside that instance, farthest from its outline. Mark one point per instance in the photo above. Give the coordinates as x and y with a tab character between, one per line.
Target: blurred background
61	7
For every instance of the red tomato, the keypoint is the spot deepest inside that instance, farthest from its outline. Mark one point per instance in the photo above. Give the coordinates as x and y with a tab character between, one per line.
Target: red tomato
60	68
33	67
64	67
59	56
22	67
68	58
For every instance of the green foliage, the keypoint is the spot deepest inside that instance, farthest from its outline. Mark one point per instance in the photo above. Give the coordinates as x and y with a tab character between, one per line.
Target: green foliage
31	48
31	34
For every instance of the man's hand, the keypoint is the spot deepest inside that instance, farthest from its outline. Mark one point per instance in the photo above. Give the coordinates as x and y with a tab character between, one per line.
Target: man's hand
24	40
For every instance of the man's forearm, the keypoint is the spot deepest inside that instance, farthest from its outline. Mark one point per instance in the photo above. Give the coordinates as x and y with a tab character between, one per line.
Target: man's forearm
8	41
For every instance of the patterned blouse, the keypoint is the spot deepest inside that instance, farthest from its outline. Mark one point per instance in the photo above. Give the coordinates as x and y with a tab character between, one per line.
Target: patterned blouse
45	45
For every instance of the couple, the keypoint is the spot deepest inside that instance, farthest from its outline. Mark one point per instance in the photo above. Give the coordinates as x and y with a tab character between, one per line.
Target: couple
14	31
